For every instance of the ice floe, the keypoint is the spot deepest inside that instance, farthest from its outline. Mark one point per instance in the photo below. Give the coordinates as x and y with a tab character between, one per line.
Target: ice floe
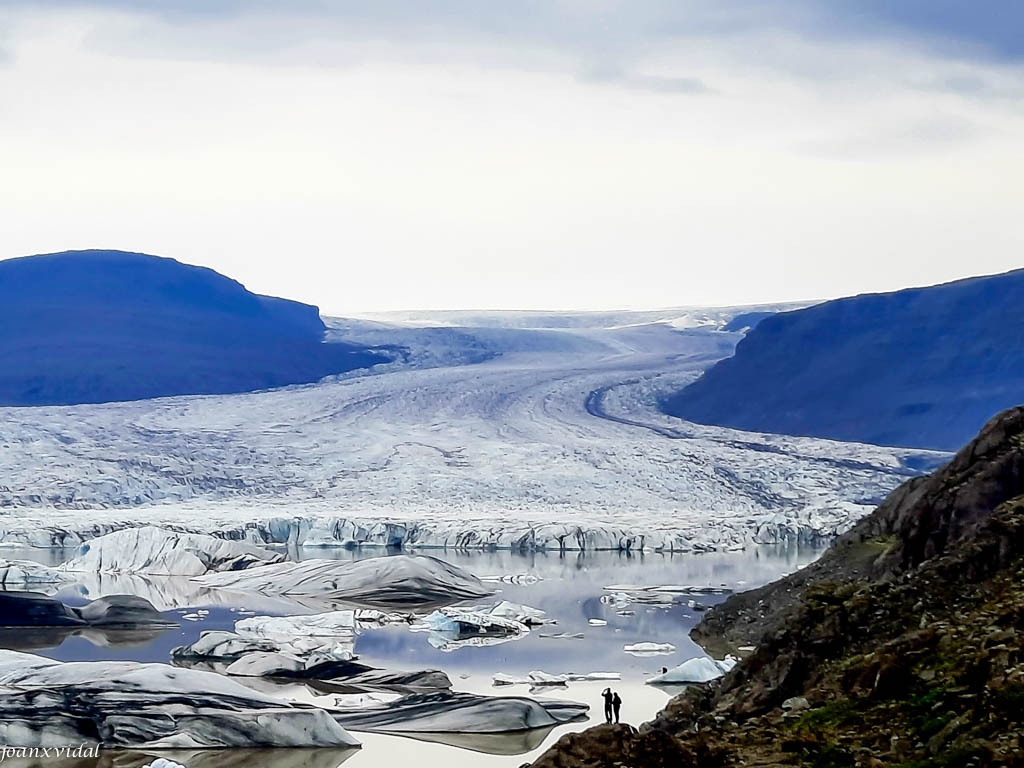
700	669
649	649
25	574
324	658
120	704
158	551
401	580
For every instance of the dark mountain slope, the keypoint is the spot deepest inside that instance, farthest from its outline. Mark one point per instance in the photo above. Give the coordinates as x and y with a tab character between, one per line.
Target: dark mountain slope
99	326
920	368
902	646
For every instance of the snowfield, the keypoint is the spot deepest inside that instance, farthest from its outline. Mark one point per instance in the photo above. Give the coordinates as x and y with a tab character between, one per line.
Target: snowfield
536	431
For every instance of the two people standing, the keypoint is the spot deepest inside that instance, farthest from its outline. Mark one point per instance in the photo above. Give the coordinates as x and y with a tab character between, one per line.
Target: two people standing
612	704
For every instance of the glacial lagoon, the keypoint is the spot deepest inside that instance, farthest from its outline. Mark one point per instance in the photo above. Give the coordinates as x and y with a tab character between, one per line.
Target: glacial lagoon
568	587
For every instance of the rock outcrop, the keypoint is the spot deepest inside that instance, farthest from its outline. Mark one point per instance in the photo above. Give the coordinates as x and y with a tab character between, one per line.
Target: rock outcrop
902	645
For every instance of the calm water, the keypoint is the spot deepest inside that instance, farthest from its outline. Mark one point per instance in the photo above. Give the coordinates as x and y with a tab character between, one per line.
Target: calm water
569	589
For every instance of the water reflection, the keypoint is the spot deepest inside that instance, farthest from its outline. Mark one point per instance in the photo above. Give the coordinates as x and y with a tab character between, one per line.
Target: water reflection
40	638
204	758
515	743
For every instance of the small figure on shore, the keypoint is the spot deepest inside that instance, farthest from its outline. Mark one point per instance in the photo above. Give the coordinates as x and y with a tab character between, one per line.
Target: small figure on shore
608	699
616	705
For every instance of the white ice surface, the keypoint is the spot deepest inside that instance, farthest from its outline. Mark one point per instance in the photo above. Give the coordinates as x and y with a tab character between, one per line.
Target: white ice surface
649	649
26	574
700	669
207	709
401	579
161	552
555	442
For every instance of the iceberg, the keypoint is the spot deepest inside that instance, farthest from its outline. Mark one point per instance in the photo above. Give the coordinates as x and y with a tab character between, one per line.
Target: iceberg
649	649
326	661
452	628
539	679
700	669
400	580
121	704
25	574
158	551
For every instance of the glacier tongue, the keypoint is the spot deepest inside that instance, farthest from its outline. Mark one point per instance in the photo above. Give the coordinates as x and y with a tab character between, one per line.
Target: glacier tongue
555	442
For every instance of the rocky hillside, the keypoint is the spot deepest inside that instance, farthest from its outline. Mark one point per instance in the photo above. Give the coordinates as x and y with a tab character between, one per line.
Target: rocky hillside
921	368
902	646
99	326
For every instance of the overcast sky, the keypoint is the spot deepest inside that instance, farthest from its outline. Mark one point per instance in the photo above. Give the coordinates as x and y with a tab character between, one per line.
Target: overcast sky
395	154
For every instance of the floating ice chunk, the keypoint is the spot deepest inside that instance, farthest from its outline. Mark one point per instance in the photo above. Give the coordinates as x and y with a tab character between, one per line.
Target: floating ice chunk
561	635
524	614
25	574
701	669
540	679
378	581
162	762
649	649
451	628
597	622
128	703
515	578
262	664
159	551
536	679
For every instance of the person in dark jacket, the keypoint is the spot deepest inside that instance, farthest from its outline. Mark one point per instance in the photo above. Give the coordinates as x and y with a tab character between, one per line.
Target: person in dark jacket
616	705
608	699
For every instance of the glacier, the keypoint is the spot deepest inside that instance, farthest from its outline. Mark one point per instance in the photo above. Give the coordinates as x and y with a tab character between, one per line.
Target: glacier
515	431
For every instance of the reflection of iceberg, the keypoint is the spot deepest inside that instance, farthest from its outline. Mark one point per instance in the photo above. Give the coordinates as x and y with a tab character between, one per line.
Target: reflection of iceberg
170	593
197	758
33	638
450	712
513	743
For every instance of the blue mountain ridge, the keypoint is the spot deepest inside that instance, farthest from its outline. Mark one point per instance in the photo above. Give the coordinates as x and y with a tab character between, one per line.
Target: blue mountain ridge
98	326
923	367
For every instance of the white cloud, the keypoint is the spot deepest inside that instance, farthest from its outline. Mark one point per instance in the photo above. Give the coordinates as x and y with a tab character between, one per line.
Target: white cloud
365	171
